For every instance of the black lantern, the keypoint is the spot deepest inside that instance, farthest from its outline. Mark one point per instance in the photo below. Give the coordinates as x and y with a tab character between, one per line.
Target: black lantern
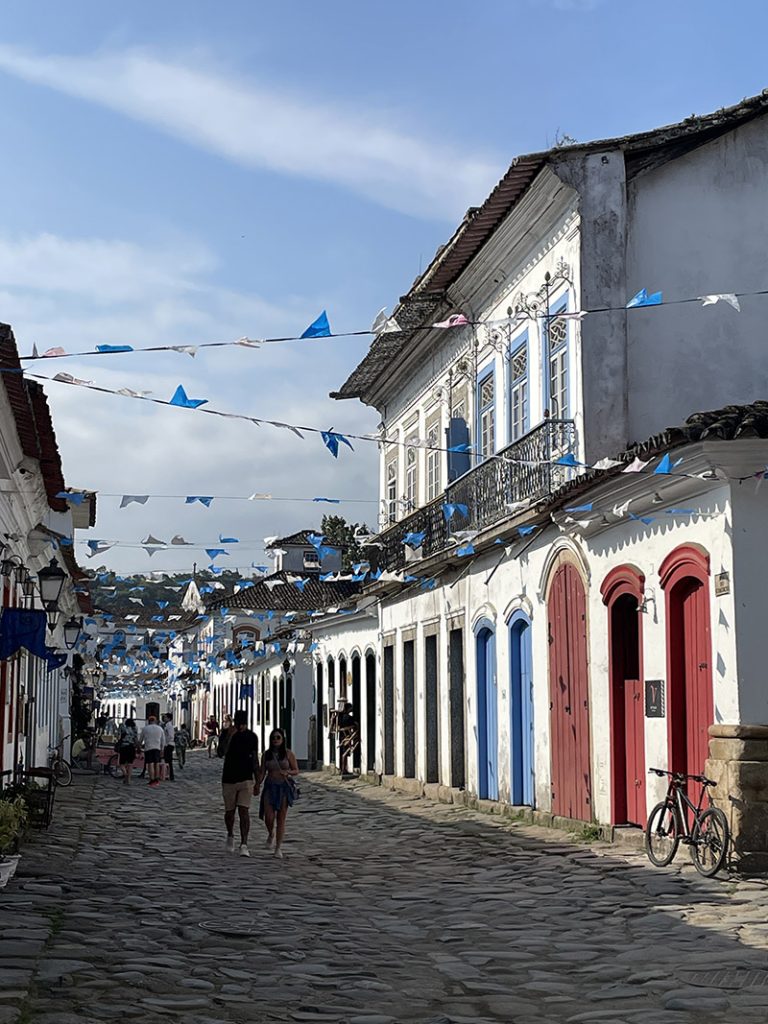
51	584
71	632
28	586
52	614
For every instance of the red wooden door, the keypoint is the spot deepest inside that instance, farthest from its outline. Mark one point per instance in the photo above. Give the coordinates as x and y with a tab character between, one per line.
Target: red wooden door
569	696
699	709
634	738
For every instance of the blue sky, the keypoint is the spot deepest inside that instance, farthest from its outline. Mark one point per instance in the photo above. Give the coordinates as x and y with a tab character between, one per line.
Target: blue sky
184	172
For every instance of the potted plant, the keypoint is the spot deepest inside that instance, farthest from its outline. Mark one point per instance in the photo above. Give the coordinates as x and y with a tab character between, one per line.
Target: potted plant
13	820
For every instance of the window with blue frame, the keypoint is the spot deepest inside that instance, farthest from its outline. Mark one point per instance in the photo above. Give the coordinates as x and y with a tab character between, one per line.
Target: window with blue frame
486	414
556	376
519	419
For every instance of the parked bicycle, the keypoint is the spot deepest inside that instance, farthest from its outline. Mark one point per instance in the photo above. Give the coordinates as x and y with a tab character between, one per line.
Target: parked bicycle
668	826
61	768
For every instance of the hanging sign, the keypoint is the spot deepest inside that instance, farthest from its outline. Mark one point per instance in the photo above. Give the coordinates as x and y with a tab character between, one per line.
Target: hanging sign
654	698
722	584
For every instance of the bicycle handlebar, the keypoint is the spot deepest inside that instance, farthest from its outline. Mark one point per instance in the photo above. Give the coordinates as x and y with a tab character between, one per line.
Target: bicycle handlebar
681	776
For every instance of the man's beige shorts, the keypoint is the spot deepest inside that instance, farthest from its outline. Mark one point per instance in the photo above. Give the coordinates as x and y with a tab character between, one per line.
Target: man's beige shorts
237	794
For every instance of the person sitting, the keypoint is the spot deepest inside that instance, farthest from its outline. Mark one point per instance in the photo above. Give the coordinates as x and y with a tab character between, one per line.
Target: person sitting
83	750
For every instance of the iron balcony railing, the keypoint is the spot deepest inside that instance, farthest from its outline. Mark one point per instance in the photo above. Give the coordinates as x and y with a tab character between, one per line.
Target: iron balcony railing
523	470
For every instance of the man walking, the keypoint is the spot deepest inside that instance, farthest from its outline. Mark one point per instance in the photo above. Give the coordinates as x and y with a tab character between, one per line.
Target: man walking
170	745
210	732
238	785
152	741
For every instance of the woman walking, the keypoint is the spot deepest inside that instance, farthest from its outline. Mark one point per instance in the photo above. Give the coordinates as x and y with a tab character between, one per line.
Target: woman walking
277	773
127	745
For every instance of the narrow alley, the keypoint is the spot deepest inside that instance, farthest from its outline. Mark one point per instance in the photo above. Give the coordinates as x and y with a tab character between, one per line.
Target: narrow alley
386	908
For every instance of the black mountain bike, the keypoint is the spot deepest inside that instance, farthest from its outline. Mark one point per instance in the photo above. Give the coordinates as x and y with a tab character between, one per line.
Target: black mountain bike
668	826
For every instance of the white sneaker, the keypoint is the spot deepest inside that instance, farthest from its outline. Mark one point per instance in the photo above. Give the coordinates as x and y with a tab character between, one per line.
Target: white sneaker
270	840
278	853
230	844
244	851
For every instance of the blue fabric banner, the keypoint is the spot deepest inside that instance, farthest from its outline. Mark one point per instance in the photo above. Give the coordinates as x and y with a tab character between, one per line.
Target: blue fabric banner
20	627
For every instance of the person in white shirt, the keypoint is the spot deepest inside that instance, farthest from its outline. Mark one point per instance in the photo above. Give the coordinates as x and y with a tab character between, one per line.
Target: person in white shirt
152	741
170	746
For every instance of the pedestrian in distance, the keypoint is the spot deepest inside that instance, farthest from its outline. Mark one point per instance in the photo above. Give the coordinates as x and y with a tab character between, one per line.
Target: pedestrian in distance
170	745
183	739
278	773
127	745
210	732
238	781
152	742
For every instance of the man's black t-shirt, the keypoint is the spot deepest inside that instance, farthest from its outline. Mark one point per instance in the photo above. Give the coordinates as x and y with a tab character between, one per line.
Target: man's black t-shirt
238	762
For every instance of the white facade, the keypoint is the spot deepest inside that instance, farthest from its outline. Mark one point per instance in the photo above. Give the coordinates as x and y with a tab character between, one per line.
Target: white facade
545	293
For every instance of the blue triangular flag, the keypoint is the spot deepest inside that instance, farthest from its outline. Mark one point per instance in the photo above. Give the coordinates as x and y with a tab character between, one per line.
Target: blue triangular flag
114	348
331	442
228	540
330	501
319	328
414	540
524	531
580	508
644	299
192	498
666	465
465	549
180	398
568	460
451	508
215	552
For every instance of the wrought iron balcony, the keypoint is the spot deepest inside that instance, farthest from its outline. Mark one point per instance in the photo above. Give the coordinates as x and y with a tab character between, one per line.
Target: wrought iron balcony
523	470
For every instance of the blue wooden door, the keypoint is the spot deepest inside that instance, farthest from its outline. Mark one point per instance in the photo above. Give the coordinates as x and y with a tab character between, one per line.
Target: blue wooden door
487	716
521	704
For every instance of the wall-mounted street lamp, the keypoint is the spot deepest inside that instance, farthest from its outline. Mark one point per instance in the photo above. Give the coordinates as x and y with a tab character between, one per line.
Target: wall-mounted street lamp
51	584
72	632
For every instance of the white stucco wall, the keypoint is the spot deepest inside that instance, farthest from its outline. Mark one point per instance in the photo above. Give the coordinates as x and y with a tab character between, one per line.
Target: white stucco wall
338	639
521	583
698	225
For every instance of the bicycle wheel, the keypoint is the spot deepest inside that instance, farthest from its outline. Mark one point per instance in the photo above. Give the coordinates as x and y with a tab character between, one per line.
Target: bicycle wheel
709	842
662	836
112	767
62	773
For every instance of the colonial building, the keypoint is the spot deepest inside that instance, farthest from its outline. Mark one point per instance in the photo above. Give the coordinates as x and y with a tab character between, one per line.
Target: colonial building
561	609
37	530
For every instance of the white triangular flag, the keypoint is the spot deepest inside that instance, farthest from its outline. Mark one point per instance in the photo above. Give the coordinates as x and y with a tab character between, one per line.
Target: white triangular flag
636	466
606	464
729	297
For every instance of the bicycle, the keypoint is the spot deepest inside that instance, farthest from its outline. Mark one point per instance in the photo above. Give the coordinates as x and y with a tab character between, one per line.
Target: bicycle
61	768
667	826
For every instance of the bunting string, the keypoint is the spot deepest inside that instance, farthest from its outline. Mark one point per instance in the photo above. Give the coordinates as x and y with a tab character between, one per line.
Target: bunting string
384	324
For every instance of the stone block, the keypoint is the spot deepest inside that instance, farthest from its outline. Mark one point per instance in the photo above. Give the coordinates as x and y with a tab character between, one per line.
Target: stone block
738	750
432	791
413	787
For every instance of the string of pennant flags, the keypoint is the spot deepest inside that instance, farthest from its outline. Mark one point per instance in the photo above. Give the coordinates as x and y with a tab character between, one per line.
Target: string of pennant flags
384	324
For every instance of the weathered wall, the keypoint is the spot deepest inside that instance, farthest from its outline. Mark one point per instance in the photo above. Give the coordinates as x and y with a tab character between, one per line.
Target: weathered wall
698	225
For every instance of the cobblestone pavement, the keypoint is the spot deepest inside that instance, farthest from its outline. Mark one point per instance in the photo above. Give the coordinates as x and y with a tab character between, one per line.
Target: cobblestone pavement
386	908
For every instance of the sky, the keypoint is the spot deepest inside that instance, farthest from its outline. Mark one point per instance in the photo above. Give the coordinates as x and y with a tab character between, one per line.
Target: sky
191	172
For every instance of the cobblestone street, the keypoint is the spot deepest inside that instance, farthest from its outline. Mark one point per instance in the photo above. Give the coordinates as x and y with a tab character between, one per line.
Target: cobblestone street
386	908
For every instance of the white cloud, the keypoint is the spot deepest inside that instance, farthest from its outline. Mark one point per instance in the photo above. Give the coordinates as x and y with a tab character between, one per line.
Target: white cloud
256	126
162	295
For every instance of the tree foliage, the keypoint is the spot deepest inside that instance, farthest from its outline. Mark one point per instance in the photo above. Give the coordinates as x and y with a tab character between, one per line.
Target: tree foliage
340	533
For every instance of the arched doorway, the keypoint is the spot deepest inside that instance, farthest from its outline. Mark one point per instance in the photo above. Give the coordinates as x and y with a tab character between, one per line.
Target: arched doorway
319	714
487	713
370	711
684	575
622	592
331	707
356	708
569	694
521	709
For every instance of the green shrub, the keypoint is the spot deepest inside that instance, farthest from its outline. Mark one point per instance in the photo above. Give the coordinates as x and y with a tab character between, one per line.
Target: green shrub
13	821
